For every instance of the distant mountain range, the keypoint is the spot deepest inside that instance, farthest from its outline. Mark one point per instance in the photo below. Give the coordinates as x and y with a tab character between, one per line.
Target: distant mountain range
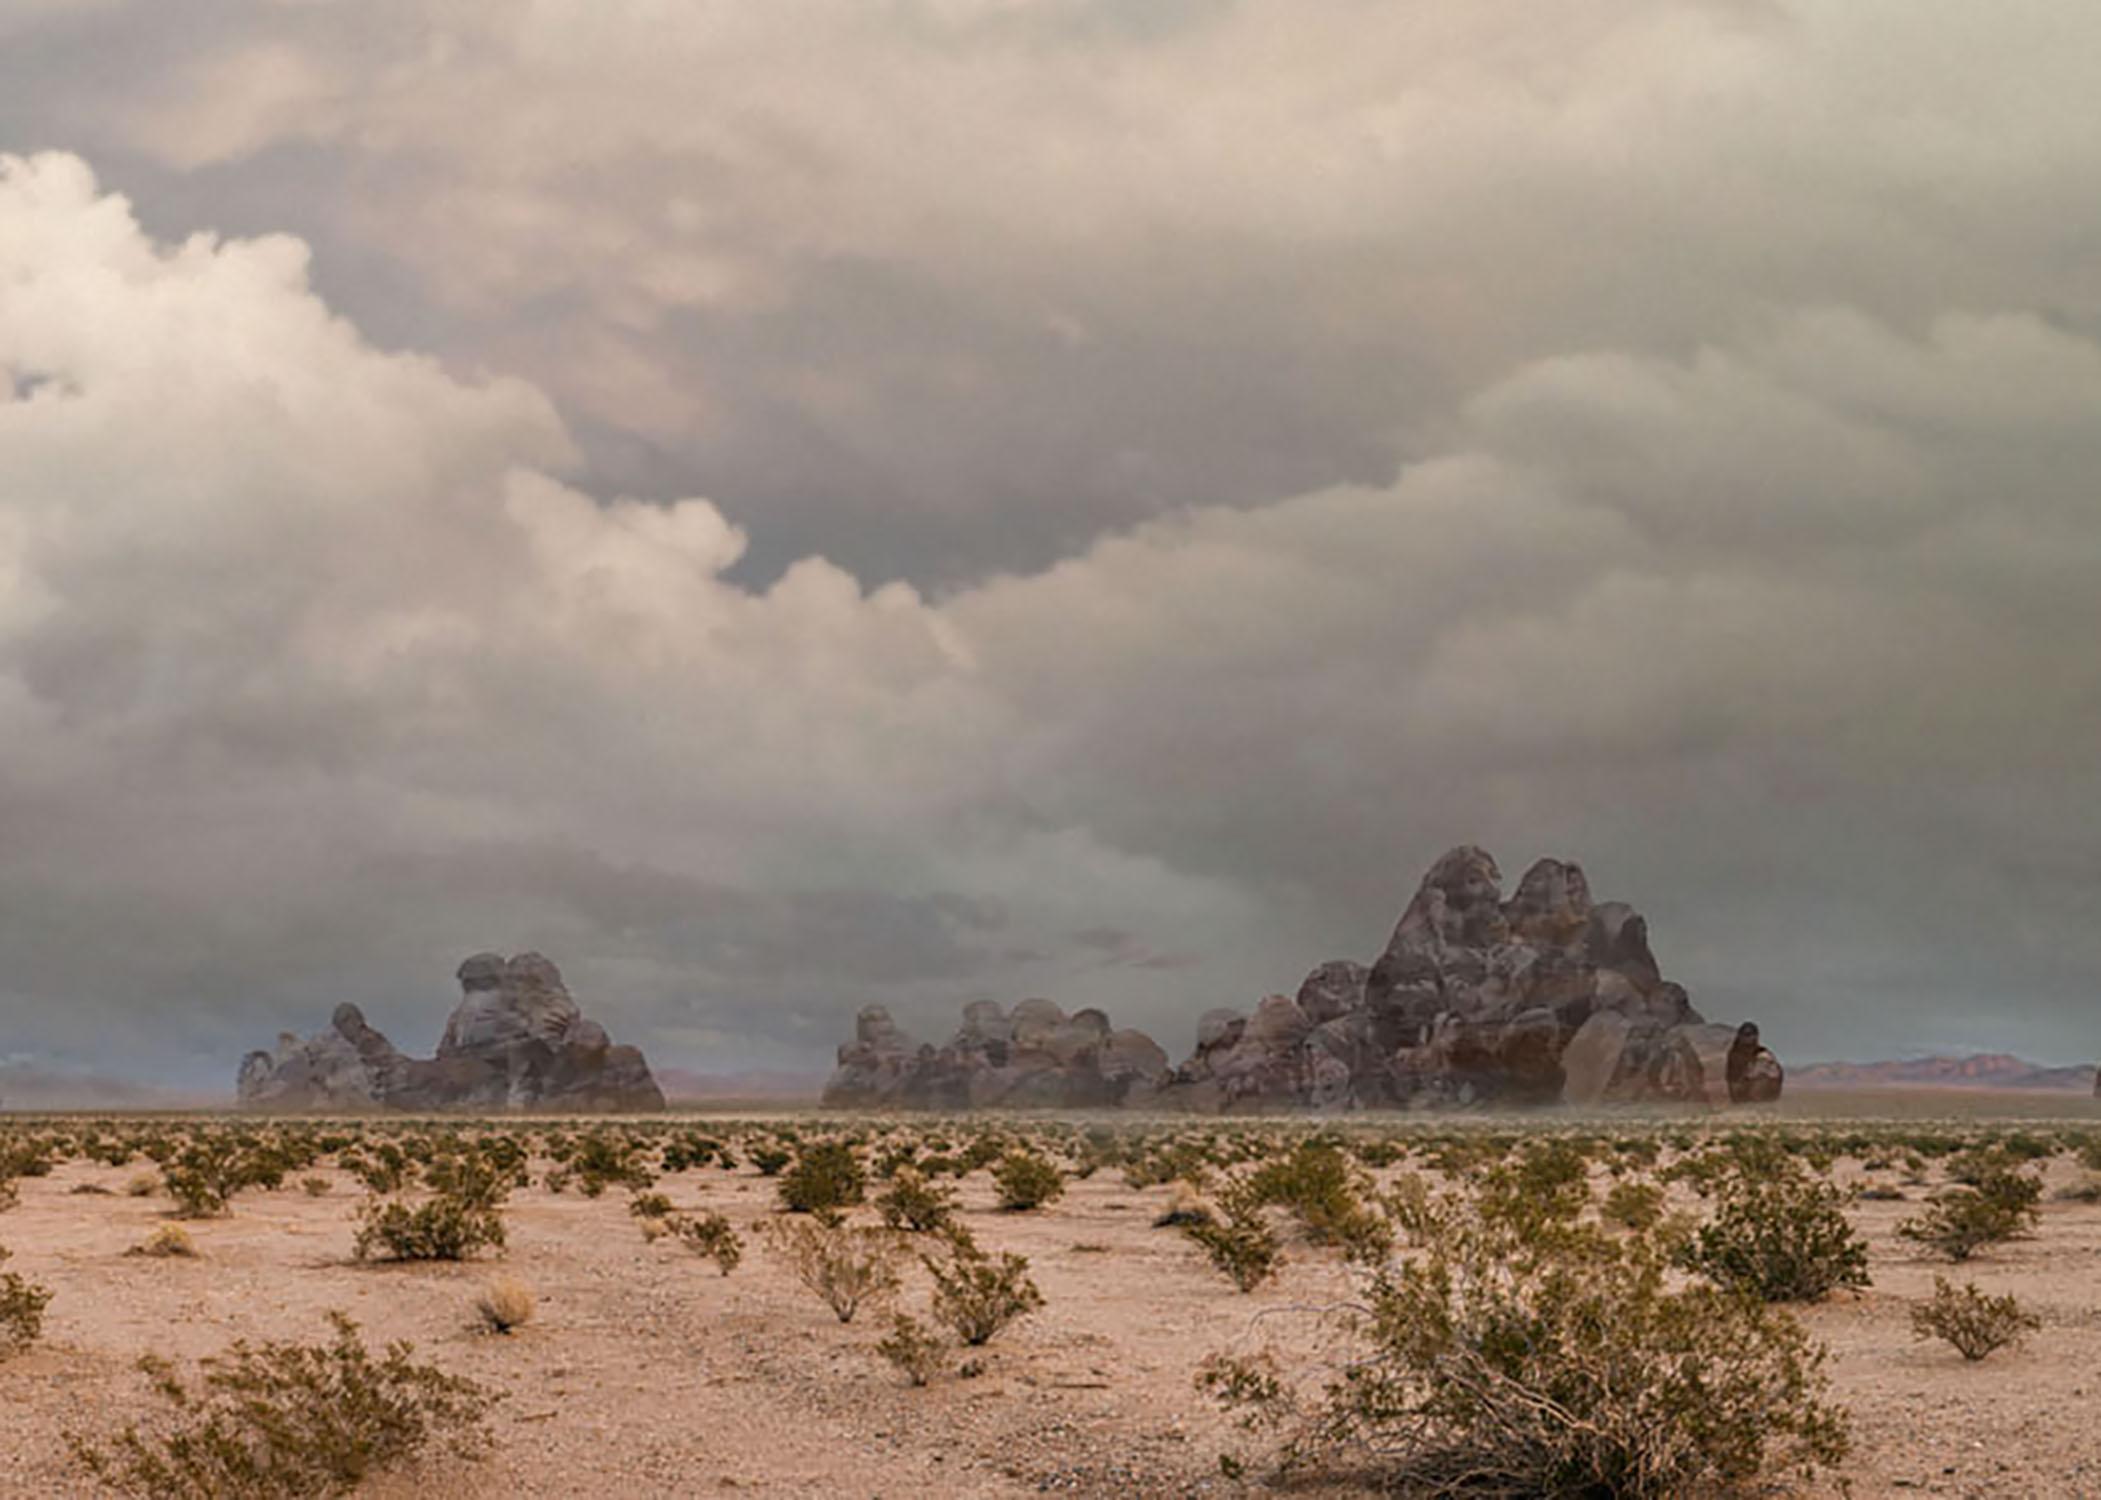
1979	1070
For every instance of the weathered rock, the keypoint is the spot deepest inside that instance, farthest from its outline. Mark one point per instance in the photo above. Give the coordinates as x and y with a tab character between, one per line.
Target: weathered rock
517	1040
1035	1057
1547	996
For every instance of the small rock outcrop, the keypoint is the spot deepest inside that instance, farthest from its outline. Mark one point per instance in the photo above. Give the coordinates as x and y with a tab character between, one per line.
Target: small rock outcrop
1034	1057
516	1040
1548	996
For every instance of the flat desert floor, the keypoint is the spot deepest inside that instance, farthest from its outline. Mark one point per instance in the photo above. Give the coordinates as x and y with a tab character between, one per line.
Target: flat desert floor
646	1372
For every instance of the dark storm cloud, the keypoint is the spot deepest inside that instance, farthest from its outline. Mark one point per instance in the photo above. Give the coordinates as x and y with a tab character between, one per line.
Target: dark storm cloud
1309	435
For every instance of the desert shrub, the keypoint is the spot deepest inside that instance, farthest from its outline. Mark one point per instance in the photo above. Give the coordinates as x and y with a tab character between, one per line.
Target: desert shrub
649	1206
1633	1205
1512	1359
505	1305
314	1187
2086	1190
1025	1181
1186	1207
846	1267
914	1348
825	1179
142	1185
22	1304
1322	1187
1961	1221
204	1176
604	1159
439	1228
1547	1181
1976	1324
168	1241
1780	1234
1240	1242
770	1159
387	1170
977	1294
712	1235
912	1202
285	1419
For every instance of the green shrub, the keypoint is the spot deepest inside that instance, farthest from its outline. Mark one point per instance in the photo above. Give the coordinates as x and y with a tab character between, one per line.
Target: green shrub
1781	1235
1971	1321
283	1419
1240	1243
914	1203
826	1178
1516	1358
22	1304
440	1228
1027	1181
1633	1205
1961	1221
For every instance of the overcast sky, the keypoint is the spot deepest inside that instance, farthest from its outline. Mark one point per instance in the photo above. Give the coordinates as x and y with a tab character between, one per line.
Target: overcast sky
782	505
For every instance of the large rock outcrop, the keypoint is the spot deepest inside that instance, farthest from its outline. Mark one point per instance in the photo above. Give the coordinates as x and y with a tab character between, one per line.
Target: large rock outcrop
516	1040
1546	996
1035	1057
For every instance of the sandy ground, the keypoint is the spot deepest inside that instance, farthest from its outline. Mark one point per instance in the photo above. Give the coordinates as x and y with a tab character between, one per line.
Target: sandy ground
648	1373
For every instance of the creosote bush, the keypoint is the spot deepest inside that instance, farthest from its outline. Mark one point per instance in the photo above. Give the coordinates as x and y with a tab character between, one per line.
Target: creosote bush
1779	1233
711	1235
1026	1181
285	1419
848	1267
22	1304
977	1294
915	1349
440	1228
1974	1323
916	1203
825	1179
1537	1357
1960	1221
1238	1239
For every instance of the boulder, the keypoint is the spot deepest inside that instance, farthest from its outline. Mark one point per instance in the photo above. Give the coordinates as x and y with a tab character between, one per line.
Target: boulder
1034	1057
516	1040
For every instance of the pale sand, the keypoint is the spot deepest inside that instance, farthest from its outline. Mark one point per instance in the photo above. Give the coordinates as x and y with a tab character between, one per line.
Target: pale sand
648	1373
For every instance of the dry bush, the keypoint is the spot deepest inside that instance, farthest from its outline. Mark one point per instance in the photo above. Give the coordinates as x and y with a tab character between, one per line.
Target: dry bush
505	1305
916	1350
847	1267
1533	1357
976	1294
284	1419
142	1185
1976	1324
22	1304
314	1187
1185	1208
170	1241
712	1235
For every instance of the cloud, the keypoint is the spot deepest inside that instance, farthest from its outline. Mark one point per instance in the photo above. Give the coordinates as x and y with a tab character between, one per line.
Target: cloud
1163	480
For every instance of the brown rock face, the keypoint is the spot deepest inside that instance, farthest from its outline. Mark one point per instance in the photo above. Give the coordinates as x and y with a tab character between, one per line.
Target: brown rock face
1037	1057
515	1041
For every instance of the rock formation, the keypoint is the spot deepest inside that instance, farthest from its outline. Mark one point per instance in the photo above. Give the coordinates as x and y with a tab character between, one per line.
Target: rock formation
1035	1057
515	1041
1547	996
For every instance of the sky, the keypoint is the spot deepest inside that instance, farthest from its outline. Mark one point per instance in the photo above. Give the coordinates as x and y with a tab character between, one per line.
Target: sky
787	506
